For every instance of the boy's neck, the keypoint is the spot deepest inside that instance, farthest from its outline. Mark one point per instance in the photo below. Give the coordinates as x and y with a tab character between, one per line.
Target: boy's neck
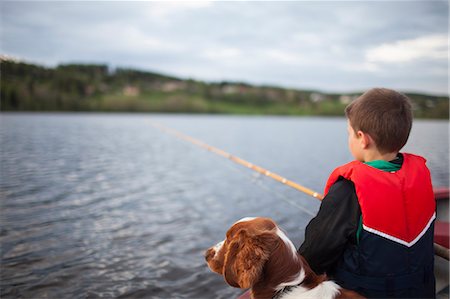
375	155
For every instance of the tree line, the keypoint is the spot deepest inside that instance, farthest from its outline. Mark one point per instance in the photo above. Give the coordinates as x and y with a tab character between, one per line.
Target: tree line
92	87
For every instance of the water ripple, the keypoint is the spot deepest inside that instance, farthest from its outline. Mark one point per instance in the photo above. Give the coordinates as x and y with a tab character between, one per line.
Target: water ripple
104	206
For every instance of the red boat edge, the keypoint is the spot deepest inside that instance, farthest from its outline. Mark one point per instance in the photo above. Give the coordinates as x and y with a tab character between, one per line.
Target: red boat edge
441	226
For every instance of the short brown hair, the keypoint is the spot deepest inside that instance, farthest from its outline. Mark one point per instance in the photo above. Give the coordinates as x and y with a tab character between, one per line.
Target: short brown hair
385	115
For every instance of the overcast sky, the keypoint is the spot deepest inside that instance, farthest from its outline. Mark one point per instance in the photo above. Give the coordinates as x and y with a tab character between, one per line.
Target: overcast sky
329	46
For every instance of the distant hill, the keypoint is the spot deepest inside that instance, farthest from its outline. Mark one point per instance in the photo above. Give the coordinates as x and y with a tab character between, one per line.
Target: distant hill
88	87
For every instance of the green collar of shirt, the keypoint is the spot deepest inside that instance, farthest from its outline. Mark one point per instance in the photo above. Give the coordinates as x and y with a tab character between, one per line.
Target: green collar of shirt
384	165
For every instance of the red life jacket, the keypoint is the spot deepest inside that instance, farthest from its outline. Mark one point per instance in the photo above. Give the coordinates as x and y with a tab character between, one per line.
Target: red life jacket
398	205
394	256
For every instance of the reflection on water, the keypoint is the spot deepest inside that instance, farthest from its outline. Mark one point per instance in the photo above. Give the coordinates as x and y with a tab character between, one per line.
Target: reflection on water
107	206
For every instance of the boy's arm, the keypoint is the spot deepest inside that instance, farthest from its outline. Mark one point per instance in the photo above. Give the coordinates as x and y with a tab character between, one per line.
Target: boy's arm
336	224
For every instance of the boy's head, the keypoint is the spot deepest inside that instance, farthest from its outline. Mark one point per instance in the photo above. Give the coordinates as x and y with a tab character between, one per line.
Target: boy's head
385	115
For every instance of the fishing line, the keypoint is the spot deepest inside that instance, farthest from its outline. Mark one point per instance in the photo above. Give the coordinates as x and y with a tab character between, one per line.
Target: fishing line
238	160
257	179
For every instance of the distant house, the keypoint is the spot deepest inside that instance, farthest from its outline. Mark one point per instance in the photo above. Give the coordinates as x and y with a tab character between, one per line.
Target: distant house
229	89
131	91
429	103
173	86
346	99
272	95
317	97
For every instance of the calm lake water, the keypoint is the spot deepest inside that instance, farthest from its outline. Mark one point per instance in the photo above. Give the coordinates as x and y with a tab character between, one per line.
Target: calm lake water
107	206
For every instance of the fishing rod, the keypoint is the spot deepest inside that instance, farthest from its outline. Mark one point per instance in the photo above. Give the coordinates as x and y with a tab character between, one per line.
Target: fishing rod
438	249
238	160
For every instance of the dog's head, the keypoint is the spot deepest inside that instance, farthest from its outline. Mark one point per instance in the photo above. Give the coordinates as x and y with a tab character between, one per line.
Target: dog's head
249	245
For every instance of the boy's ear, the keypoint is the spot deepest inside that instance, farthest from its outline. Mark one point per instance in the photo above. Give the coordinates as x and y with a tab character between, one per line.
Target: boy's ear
365	139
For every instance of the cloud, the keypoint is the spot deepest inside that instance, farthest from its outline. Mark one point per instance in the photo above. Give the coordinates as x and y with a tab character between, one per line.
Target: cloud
328	45
284	57
164	11
228	53
406	51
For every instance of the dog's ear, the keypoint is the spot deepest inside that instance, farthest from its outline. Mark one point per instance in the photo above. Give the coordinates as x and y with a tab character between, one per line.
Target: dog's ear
246	256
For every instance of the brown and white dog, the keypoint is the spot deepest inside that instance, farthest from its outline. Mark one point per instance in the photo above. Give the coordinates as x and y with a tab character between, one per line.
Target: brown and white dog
257	254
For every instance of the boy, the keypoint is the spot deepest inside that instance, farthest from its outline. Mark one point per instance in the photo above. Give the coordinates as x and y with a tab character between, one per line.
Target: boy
374	230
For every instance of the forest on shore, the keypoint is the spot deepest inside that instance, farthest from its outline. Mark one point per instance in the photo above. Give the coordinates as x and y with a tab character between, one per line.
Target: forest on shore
91	87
